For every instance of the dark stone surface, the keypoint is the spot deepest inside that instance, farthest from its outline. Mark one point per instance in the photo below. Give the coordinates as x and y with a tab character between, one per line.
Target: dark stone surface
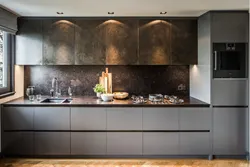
58	42
91	101
138	80
154	42
184	41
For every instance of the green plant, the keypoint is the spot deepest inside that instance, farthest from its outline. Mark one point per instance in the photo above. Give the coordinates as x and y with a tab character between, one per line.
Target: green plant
99	88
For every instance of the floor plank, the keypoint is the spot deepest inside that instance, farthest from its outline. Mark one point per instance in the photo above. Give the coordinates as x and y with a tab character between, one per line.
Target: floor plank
122	163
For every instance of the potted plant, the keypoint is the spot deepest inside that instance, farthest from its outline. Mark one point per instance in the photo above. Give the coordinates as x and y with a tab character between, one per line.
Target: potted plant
99	89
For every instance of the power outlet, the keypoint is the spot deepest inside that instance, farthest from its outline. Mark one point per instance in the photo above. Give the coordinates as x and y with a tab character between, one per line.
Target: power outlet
181	87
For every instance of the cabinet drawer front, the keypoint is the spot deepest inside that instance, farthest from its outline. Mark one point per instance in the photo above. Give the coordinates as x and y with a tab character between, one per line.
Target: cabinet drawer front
18	143
52	143
124	118
229	93
124	143
195	143
52	118
88	118
88	143
195	118
160	119
230	131
160	143
18	118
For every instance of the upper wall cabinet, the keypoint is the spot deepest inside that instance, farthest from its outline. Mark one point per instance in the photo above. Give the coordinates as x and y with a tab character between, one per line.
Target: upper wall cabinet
154	42
229	27
184	41
89	42
111	42
58	42
29	42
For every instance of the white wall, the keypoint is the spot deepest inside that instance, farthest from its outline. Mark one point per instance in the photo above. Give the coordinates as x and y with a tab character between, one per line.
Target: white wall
200	74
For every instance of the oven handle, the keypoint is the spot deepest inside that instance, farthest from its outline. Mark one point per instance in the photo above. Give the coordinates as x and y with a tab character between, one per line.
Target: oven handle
215	60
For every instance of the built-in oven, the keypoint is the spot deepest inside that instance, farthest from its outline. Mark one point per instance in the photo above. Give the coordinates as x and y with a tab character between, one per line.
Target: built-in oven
229	60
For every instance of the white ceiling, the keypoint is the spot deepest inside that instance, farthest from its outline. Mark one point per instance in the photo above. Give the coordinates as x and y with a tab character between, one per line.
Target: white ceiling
120	7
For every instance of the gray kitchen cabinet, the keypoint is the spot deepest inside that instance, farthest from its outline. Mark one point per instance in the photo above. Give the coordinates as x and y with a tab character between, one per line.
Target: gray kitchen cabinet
154	42
230	27
124	118
58	42
18	118
18	143
195	143
52	118
88	143
29	42
124	143
184	43
160	118
157	143
52	143
229	131
195	118
88	118
226	92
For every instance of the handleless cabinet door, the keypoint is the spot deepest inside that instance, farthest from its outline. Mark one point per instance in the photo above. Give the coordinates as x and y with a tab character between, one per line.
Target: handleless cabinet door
229	92
18	118
157	143
58	42
195	143
195	119
124	143
154	42
124	118
88	143
230	27
85	118
184	44
160	118
52	143
29	42
229	131
18	143
52	118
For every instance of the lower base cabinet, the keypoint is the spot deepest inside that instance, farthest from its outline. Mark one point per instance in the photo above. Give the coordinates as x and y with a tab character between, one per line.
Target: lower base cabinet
18	143
88	143
52	143
230	131
195	143
124	143
160	143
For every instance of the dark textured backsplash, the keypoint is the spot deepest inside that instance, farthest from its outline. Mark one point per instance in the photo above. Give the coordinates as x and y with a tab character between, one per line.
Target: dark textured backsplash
133	79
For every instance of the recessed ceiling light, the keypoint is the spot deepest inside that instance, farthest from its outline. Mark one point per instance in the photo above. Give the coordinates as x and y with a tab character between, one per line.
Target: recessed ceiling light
111	12
59	13
163	12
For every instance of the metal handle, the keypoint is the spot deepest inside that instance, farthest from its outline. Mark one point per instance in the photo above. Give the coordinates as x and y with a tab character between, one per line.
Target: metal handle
215	60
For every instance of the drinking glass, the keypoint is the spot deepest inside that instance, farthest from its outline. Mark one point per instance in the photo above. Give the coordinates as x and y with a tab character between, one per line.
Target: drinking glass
31	97
38	97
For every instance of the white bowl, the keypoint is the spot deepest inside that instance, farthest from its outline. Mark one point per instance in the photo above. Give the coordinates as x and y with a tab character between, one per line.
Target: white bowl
107	97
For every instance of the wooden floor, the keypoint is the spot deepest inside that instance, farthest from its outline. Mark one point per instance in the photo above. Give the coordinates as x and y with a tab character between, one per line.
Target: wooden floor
122	163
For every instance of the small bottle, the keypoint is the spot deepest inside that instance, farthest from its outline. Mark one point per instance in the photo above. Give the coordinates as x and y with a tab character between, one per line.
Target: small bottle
70	92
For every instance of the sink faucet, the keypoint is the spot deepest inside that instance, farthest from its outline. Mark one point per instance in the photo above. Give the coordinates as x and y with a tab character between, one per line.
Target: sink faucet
54	90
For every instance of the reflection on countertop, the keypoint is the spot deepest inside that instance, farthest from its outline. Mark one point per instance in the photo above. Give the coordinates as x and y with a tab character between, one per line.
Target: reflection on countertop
91	101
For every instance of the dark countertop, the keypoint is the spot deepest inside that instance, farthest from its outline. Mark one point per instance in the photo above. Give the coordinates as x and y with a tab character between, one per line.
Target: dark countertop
90	101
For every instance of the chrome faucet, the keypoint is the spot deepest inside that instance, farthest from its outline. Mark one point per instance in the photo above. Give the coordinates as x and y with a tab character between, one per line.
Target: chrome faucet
54	90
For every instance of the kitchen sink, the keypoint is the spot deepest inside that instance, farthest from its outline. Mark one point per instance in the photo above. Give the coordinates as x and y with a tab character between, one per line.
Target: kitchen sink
56	101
